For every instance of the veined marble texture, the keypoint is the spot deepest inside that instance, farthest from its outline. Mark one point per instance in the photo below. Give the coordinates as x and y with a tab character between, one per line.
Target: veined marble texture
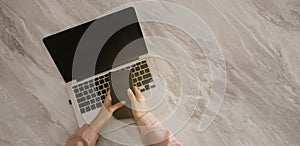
260	40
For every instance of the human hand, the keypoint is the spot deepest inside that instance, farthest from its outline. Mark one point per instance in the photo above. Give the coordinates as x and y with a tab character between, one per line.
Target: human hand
137	103
111	108
105	113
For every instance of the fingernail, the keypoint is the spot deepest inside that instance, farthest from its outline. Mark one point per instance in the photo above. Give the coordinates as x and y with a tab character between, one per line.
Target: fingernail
129	90
123	102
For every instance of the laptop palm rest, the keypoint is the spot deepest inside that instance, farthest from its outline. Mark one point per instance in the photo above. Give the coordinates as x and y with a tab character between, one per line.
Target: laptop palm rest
120	81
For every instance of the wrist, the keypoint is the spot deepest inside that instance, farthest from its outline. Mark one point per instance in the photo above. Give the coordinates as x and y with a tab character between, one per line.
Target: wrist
139	116
100	120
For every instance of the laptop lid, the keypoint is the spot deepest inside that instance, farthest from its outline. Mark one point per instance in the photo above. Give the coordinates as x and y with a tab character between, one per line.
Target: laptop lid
93	47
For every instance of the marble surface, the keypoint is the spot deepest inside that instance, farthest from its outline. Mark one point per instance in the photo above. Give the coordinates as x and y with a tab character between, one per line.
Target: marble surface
260	40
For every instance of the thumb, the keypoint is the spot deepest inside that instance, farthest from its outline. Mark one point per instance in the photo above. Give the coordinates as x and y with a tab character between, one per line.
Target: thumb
130	95
117	105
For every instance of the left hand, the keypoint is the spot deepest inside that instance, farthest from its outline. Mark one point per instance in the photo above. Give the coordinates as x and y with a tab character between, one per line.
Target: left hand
105	113
111	108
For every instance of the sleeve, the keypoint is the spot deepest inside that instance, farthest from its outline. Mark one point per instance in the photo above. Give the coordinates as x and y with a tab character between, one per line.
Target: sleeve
85	136
153	132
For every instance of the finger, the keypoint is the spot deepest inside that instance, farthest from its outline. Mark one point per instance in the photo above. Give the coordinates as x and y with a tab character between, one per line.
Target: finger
107	100
131	95
117	105
137	92
108	92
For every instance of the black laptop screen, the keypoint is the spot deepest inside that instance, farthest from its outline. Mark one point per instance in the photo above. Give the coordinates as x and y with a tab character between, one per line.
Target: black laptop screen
93	47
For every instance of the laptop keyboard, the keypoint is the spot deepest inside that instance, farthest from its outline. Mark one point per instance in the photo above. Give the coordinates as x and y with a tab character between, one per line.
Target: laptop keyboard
141	76
91	94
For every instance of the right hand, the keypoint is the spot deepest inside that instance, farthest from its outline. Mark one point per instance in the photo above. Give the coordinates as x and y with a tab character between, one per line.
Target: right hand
137	103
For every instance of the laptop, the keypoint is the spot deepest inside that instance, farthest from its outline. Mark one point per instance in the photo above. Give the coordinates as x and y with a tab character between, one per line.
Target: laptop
89	54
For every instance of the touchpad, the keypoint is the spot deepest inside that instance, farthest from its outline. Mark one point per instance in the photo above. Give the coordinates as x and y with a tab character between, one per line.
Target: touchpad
120	81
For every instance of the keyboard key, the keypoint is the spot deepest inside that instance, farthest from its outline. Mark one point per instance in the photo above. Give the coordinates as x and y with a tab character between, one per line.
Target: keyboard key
86	82
93	106
87	108
91	81
139	84
92	100
84	104
136	74
97	83
98	104
147	76
93	95
101	87
78	95
103	92
127	68
92	85
99	92
144	66
82	99
137	68
143	62
142	90
106	85
146	81
82	110
102	97
147	87
85	92
147	70
90	90
138	63
86	87
98	99
74	87
152	86
76	90
101	81
80	85
139	78
88	97
134	80
81	88
95	89
106	79
142	72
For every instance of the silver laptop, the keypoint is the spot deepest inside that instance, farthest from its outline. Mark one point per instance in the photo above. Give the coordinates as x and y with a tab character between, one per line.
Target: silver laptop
88	79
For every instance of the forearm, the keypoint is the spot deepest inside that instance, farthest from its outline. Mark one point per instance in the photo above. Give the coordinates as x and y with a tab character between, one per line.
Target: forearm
84	136
100	120
87	135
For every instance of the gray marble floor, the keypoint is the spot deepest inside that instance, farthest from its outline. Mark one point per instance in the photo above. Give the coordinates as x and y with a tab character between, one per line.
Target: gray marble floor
260	40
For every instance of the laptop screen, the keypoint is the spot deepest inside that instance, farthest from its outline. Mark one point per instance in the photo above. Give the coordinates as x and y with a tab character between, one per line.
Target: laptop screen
96	46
